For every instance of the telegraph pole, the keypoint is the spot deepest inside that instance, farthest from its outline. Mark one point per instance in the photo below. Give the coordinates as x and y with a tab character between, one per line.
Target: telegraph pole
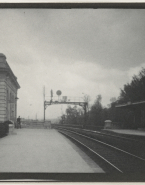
85	113
44	101
44	111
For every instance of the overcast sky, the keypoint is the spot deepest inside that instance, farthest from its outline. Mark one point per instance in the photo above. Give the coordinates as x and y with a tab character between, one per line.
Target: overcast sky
90	51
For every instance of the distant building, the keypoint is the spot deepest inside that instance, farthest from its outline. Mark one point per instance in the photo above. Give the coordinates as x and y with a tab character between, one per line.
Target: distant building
138	113
8	91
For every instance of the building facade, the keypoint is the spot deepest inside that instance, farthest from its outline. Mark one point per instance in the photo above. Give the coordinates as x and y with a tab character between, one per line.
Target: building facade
8	91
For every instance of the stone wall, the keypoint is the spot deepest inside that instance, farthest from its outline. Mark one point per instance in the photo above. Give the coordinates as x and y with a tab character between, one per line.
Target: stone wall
8	92
3	98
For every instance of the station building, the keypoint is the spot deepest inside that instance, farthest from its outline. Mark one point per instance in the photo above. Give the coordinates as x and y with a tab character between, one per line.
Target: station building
8	91
138	112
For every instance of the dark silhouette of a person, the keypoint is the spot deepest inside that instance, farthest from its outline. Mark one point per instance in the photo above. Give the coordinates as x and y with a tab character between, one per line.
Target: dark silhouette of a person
19	122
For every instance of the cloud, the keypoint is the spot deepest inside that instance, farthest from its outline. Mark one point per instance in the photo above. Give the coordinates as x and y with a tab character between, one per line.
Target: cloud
71	80
112	38
77	51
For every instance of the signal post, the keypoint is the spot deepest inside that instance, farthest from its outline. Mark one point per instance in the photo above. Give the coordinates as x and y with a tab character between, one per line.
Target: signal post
65	101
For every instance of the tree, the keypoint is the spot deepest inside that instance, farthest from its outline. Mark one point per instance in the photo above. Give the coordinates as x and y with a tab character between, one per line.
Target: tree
62	121
131	92
72	115
135	90
113	99
96	112
87	99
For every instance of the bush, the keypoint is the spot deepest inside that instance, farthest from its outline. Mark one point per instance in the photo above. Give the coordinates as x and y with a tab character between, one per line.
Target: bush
6	126
4	129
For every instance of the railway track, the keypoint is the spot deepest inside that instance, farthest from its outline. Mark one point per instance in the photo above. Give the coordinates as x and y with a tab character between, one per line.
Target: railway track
109	157
131	145
102	133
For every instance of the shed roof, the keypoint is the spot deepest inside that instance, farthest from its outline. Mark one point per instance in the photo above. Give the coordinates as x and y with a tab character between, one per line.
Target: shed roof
132	105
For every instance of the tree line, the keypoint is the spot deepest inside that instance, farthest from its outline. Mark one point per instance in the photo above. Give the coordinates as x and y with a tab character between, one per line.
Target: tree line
97	114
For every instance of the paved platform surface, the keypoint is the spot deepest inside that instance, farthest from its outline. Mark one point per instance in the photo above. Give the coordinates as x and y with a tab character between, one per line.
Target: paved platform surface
43	150
128	131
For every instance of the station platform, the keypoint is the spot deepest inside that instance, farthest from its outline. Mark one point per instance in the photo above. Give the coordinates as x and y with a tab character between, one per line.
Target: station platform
127	131
43	151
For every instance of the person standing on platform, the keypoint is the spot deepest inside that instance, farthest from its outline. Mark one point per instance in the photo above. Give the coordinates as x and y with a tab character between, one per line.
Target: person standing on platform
19	122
